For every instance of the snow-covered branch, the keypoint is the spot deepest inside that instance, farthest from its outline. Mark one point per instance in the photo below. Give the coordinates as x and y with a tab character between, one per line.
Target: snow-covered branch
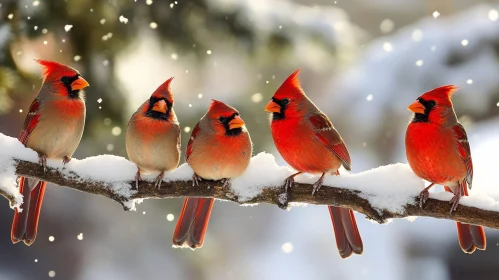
382	193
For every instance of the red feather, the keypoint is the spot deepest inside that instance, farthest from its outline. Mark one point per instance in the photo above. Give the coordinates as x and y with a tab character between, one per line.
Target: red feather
30	122
464	151
327	134
194	133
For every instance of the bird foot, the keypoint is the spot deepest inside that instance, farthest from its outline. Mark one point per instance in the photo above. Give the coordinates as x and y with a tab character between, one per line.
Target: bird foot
317	185
195	180
42	159
159	180
66	159
138	178
288	183
283	197
226	183
423	197
455	202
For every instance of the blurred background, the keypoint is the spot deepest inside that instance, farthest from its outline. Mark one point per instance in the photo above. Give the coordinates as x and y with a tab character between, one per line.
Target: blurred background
362	62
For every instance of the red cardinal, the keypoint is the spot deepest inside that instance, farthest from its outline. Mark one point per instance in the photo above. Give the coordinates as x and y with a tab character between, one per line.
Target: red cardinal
153	135
53	128
219	149
308	141
438	151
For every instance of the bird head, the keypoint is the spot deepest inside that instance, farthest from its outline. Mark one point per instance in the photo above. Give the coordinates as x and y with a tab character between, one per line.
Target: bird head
289	100
224	119
63	80
160	105
434	106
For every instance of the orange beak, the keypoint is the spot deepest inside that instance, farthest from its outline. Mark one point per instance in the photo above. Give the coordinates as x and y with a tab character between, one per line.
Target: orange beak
272	107
79	84
416	107
160	106
236	122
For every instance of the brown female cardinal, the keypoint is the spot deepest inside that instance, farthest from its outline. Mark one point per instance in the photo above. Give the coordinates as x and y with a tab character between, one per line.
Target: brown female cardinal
308	141
438	151
219	149
153	135
53	128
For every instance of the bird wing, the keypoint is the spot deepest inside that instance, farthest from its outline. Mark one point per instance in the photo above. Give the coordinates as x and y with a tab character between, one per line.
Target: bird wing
464	151
194	133
327	134
30	122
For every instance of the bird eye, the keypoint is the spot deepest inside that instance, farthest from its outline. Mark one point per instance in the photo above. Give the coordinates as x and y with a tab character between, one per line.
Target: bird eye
65	80
285	101
222	119
432	103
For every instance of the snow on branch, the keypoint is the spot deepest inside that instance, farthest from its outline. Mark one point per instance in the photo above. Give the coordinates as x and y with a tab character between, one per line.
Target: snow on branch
382	193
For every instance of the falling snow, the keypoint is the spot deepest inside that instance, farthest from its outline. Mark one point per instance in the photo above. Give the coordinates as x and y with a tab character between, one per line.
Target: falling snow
123	19
116	131
287	247
257	97
493	15
386	25
387	47
67	27
80	236
170	217
417	35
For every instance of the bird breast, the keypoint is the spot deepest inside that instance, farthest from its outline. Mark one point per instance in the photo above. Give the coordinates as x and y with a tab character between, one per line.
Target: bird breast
301	149
433	154
154	145
59	129
217	157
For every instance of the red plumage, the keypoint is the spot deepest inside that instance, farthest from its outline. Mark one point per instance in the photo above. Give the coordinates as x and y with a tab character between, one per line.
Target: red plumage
308	142
53	128
219	149
438	151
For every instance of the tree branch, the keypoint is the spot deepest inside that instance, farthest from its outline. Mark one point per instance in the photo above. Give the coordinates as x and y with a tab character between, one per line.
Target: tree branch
273	195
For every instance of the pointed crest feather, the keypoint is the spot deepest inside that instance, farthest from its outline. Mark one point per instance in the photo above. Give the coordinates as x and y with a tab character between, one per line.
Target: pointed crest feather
291	86
441	94
164	90
54	67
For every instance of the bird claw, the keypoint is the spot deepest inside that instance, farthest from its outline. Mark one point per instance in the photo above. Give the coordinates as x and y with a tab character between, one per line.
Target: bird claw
423	197
455	202
138	178
195	180
288	183
159	180
42	159
226	183
66	159
316	186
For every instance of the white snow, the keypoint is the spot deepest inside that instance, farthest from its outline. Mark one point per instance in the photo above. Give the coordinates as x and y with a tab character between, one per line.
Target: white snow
387	187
